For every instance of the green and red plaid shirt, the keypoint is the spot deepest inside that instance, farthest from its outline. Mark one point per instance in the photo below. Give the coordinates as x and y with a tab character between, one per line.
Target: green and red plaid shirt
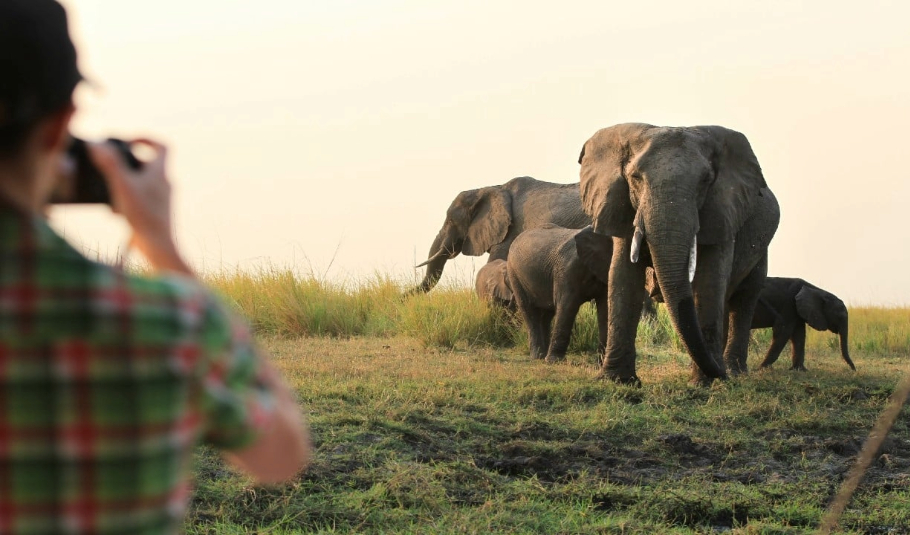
107	382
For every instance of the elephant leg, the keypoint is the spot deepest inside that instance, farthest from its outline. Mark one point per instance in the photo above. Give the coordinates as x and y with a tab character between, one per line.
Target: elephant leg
532	316
537	331
562	330
603	310
798	347
626	280
648	308
741	309
710	289
726	329
546	323
779	337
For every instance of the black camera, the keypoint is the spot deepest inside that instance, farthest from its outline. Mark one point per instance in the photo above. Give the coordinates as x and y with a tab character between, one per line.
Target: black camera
84	183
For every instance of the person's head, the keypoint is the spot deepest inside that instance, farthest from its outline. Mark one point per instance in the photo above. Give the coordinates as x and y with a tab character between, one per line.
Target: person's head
38	74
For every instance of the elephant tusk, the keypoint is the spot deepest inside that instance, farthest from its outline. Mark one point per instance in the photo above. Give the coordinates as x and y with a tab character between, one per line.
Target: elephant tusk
692	259
636	244
441	252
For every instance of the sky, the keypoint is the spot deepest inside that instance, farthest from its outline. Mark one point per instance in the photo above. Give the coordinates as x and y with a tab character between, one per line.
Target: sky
330	137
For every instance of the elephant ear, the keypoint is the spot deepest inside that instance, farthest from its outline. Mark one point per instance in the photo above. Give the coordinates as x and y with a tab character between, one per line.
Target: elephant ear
810	304
491	215
604	190
595	251
499	285
738	180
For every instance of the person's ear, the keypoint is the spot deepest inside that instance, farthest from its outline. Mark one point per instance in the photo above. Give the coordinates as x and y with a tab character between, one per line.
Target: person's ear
56	129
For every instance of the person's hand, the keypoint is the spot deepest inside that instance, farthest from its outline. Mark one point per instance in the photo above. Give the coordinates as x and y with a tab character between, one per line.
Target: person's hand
143	197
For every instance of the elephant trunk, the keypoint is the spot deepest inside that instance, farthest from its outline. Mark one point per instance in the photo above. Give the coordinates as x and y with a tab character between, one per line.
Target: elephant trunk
673	259
844	351
441	251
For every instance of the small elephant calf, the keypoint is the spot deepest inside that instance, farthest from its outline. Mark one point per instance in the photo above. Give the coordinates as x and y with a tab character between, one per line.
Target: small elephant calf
786	305
492	285
552	271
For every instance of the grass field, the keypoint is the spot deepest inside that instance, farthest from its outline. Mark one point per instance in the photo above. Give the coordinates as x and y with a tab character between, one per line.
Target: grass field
429	417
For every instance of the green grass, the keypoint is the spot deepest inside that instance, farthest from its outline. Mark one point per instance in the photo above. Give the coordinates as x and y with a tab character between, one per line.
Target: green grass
429	417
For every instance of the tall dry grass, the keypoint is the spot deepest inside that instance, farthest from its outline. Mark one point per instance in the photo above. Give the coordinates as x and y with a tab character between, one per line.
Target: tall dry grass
281	302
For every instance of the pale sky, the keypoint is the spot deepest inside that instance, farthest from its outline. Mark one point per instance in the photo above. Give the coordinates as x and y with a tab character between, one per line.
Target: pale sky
334	134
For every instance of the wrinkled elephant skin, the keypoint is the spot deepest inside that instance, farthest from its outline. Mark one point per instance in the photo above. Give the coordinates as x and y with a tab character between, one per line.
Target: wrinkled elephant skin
552	272
786	305
487	220
693	204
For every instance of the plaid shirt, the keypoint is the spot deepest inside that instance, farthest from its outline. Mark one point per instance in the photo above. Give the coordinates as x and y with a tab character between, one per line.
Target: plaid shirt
107	382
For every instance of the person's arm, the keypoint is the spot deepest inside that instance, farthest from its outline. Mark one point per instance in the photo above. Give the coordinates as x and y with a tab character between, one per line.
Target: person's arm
143	197
284	447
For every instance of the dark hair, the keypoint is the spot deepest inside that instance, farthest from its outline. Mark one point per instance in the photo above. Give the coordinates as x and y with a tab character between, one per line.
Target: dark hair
38	70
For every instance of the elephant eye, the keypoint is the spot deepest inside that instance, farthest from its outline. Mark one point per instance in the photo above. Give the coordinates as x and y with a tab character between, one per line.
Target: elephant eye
636	176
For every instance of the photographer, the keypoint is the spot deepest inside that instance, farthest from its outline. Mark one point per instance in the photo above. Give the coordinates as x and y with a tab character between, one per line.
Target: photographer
108	380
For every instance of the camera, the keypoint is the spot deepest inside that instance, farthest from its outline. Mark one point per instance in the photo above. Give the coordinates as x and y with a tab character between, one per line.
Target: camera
83	183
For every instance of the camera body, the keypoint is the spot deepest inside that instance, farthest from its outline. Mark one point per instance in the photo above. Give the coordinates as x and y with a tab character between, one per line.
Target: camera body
84	183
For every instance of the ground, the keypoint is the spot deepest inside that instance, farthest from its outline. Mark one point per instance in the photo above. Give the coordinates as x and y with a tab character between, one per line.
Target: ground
413	439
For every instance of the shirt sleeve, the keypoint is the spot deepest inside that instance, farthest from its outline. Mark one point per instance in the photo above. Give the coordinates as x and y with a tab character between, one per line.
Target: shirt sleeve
236	402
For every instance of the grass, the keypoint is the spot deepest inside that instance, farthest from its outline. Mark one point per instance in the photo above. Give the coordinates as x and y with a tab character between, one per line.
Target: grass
429	417
282	303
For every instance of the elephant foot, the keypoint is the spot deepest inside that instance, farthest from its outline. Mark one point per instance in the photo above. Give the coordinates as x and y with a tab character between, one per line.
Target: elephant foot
701	381
632	380
698	377
552	359
737	367
799	368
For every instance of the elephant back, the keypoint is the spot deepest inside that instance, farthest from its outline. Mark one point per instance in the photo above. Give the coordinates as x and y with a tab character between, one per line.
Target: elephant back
539	203
537	252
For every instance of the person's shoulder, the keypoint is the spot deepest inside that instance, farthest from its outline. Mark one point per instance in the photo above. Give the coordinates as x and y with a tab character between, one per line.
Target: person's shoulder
179	290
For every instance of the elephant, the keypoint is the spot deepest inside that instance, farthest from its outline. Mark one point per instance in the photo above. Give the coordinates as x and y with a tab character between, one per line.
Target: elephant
786	305
487	220
692	203
553	271
492	285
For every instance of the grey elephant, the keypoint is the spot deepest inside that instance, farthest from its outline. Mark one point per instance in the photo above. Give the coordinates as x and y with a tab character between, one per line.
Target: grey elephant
692	203
553	271
487	220
786	305
492	285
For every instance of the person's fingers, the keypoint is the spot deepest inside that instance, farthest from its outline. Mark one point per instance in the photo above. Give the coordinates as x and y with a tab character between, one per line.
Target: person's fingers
158	163
113	169
106	159
158	146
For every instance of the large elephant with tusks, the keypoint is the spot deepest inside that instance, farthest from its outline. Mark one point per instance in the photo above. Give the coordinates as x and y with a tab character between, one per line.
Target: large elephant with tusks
691	202
486	220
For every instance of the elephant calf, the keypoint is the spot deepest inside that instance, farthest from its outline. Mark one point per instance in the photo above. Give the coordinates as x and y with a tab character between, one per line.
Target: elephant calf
492	285
552	271
787	305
